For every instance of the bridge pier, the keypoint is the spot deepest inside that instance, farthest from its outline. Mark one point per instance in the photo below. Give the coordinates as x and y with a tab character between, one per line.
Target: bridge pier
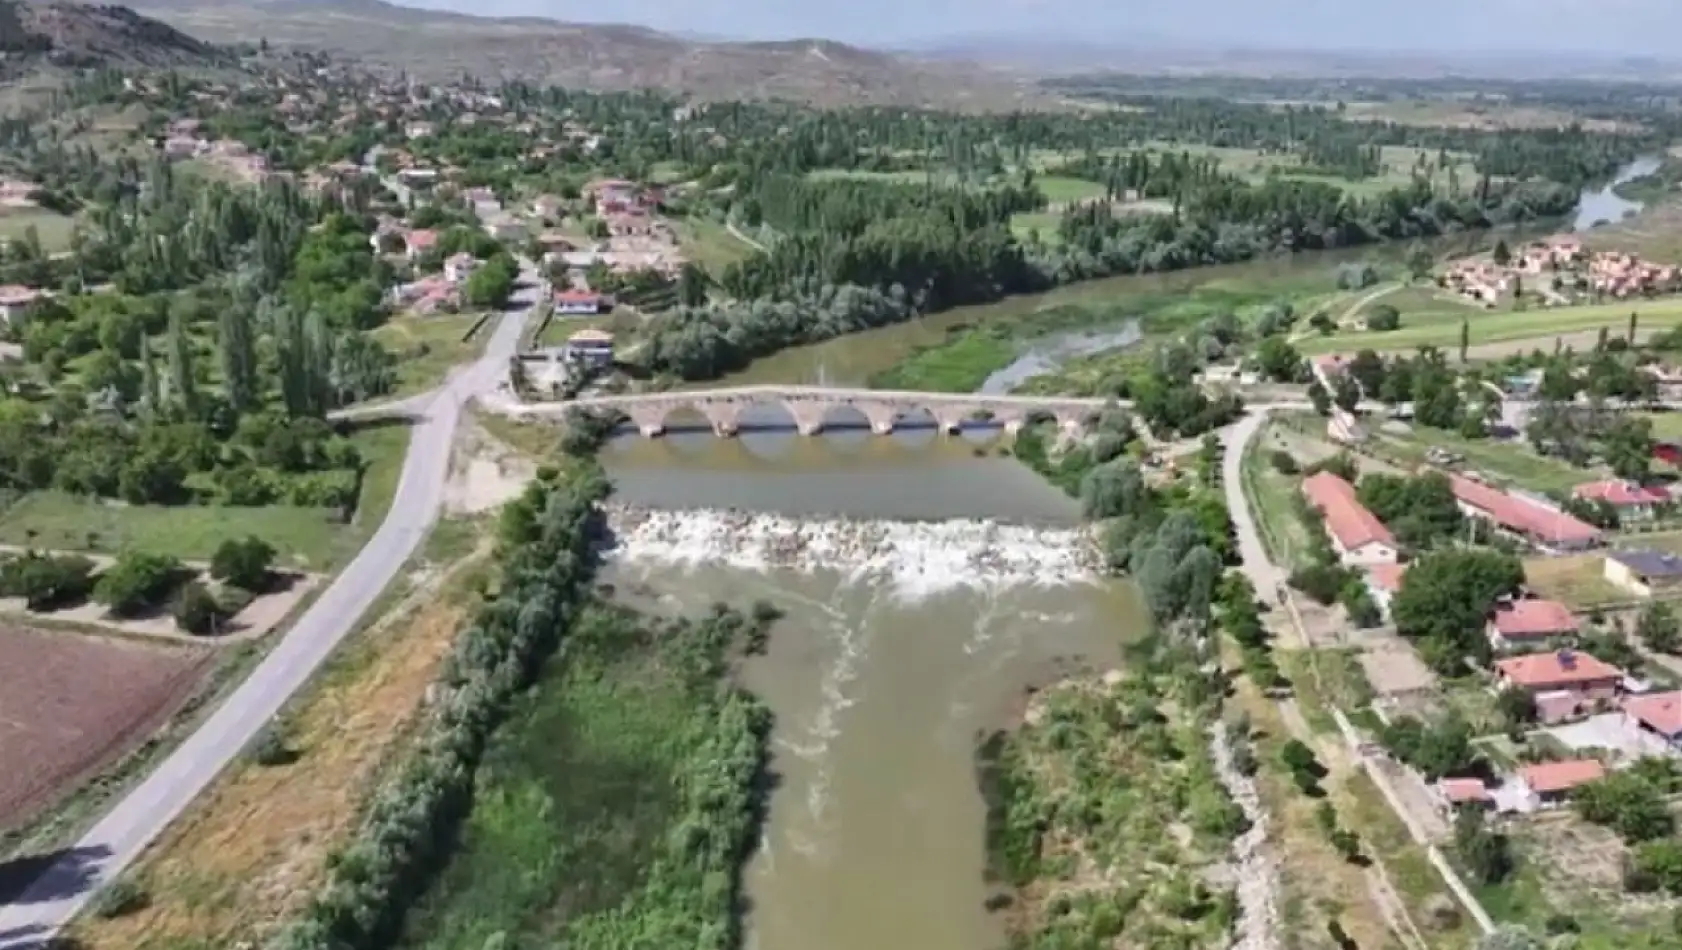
882	426
651	430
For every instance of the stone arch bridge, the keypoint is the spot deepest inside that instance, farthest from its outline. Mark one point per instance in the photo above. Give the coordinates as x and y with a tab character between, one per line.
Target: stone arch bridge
812	407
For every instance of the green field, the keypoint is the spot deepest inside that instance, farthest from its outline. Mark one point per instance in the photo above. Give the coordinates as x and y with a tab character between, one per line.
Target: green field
1441	328
428	348
311	538
616	806
52	228
1061	189
710	244
1507	462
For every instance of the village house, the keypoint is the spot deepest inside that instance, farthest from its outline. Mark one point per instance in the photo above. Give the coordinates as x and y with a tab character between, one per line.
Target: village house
16	300
547	207
580	302
458	266
1551	783
18	193
1659	714
1632	501
1564	684
1357	535
418	130
1456	793
1529	624
590	348
418	242
1531	521
1642	572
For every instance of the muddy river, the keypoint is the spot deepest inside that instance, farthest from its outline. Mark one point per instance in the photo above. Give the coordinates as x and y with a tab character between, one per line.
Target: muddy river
925	588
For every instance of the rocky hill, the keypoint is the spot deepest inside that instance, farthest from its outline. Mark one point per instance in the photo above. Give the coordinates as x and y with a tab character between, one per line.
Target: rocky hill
440	45
74	35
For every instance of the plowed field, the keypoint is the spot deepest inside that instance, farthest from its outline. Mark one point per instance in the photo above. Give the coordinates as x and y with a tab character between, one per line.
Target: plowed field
70	704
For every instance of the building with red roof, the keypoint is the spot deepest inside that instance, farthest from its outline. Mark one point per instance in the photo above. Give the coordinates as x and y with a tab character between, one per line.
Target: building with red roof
1358	536
419	242
1564	684
1464	792
1657	713
1549	782
1528	623
1532	521
1633	501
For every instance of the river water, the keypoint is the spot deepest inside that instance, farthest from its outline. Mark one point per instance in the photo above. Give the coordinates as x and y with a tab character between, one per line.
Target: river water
925	589
1603	205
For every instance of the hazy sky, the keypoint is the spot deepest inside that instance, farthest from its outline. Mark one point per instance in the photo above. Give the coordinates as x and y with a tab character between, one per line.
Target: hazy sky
1633	27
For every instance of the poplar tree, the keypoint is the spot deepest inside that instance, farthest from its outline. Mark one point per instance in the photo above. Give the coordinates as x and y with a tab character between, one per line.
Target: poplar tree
185	389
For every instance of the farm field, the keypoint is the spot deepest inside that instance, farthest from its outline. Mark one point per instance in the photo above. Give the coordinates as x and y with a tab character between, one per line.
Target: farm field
73	703
247	853
1578	581
1467	114
710	244
53	229
1506	462
312	538
1441	328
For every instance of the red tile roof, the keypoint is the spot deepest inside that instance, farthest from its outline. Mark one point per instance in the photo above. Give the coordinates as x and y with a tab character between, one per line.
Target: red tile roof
1388	577
421	240
1662	712
1621	493
1528	619
1559	776
1463	791
1349	521
1517	514
1557	670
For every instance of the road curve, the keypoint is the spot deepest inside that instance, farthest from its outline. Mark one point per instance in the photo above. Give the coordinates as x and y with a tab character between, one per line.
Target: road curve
65	886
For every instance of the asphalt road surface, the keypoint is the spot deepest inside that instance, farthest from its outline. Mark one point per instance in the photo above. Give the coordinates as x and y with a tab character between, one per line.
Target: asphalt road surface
66	884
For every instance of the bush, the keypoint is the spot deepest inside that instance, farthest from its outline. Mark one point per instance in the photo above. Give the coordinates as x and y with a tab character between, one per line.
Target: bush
47	581
122	897
1284	463
196	610
271	748
1383	318
244	564
138	582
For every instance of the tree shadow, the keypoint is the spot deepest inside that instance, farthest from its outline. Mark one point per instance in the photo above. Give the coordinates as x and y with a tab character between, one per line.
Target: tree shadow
40	879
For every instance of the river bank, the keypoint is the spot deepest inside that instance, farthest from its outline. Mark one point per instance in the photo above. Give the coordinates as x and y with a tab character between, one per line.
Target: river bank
959	349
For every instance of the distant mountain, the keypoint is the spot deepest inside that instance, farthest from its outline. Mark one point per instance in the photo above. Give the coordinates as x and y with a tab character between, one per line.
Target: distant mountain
1150	54
442	45
73	35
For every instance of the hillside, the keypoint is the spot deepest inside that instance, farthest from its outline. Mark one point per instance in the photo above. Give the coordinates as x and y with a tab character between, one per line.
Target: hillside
440	45
36	35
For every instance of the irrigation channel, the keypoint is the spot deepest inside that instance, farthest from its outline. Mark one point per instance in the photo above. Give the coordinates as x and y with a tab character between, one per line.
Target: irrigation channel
925	589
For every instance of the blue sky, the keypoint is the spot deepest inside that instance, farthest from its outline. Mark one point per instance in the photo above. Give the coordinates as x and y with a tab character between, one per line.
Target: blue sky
1632	27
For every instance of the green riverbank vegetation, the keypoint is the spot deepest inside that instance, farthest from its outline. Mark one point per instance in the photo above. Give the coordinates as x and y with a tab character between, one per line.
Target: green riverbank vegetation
1106	814
1106	810
570	733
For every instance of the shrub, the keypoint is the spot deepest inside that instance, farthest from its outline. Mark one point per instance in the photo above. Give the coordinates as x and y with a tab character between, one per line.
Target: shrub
47	581
244	563
1383	318
271	748
138	582
196	610
1284	463
122	897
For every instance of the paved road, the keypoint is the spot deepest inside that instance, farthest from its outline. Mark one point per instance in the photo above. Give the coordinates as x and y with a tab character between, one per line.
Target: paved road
114	843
